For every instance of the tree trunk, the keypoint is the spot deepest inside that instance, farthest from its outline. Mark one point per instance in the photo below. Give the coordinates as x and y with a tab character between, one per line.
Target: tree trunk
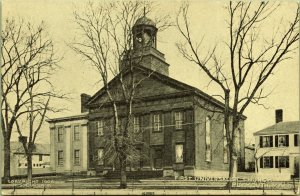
29	167
256	166
6	176
123	179
233	153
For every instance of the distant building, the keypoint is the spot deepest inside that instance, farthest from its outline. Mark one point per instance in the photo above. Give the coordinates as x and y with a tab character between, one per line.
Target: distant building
277	149
18	161
183	133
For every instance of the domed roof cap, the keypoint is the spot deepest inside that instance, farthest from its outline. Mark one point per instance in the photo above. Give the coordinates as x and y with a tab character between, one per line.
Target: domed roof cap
144	21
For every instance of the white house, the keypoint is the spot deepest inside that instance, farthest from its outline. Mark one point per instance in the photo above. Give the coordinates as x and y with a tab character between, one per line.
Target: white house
40	159
277	150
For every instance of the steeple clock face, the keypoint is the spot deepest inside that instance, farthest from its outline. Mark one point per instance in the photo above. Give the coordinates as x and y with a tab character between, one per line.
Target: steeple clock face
139	39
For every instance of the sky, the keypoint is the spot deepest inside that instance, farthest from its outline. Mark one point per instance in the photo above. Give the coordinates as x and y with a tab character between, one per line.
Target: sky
206	18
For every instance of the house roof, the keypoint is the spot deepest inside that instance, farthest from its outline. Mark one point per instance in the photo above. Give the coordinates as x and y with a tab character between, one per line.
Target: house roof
250	147
167	80
280	128
17	148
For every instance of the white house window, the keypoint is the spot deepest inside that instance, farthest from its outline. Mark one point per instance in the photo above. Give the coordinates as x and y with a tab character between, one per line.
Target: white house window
207	139
296	139
76	157
178	120
179	153
60	157
266	162
282	161
100	156
225	149
100	127
40	157
156	123
282	140
60	134
266	141
76	133
136	124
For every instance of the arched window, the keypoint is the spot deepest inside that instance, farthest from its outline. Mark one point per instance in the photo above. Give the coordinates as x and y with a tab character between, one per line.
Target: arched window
207	139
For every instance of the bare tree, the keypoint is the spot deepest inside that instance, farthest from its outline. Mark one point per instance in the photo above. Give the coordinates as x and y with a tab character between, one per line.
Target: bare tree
252	60
28	60
106	43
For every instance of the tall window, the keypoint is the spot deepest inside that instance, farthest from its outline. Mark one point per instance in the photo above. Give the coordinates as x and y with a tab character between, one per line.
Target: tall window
40	157
178	120
136	124
179	153
225	149
207	139
156	122
100	156
76	157
266	141
60	157
296	139
266	162
60	134
281	140
76	133
282	162
100	127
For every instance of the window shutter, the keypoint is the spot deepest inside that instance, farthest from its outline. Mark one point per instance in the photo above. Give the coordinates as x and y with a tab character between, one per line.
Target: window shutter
271	162
261	162
276	140
260	141
287	162
271	141
276	161
295	139
287	140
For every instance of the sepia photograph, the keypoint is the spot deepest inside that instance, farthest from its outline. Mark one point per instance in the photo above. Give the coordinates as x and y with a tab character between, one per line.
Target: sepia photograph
136	97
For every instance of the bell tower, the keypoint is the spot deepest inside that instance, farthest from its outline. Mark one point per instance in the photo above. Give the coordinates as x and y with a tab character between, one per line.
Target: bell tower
144	33
144	51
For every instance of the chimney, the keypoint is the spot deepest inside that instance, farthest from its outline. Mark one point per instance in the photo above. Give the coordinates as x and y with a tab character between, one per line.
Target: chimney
23	139
84	98
278	115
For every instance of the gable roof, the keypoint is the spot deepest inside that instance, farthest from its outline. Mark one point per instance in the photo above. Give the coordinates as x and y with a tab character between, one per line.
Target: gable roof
17	148
280	128
167	80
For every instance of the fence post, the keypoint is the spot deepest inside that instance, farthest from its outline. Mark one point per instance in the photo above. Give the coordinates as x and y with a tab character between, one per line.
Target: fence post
294	185
101	183
132	182
164	185
263	188
72	182
197	185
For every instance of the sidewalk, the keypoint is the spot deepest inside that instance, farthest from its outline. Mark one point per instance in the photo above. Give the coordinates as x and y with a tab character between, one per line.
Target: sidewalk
141	192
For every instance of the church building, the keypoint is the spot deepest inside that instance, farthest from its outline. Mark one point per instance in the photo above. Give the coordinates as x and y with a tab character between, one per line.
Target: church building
182	127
